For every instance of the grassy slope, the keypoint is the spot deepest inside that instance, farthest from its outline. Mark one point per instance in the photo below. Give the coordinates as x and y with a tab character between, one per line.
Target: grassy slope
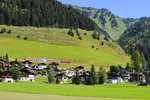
79	51
130	91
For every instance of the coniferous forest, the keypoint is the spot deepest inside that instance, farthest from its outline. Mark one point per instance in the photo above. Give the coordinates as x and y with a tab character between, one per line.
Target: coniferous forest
137	37
42	13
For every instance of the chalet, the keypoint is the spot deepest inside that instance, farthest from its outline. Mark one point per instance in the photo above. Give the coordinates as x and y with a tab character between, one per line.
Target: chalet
69	72
115	80
80	69
147	79
41	66
126	74
136	77
6	77
27	63
27	78
14	63
61	78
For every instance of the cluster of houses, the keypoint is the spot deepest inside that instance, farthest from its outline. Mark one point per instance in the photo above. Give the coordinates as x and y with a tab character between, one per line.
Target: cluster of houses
29	71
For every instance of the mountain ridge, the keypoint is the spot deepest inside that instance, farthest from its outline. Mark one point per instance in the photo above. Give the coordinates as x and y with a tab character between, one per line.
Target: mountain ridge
107	22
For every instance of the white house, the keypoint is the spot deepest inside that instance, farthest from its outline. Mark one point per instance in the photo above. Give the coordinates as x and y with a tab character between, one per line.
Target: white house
29	78
115	80
8	80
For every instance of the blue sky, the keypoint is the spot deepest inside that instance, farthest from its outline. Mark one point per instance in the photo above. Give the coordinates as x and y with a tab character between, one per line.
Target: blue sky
122	8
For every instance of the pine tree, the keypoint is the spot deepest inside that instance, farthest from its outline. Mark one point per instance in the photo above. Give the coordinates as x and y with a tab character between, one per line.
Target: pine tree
77	78
95	35
51	76
70	32
15	73
90	81
143	61
102	76
129	67
7	58
136	60
77	32
93	78
1	19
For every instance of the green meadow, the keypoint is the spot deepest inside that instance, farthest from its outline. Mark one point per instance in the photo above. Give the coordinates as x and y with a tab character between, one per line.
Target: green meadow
40	86
54	43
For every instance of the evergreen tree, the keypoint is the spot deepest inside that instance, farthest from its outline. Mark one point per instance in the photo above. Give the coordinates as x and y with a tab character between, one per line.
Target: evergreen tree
77	78
90	81
143	61
70	32
93	78
136	60
114	69
95	35
51	75
77	32
1	19
42	13
102	76
15	73
7	58
129	67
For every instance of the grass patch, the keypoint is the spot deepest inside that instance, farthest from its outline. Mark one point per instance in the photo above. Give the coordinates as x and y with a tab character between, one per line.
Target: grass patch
128	91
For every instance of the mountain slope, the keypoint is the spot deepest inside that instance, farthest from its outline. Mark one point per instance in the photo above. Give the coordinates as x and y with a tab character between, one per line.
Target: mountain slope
107	21
137	37
55	43
42	13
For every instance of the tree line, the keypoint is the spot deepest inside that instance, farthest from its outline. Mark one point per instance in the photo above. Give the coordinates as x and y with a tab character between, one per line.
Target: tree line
42	13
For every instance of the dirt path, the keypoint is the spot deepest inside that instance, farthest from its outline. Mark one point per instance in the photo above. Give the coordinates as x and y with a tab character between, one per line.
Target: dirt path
23	96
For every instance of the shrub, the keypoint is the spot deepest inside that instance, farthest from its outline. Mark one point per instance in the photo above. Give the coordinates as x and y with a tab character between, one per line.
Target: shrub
9	31
102	43
3	30
25	38
85	33
18	36
80	38
92	46
106	38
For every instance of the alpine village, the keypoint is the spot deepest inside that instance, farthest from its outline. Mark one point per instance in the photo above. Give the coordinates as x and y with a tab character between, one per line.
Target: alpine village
66	46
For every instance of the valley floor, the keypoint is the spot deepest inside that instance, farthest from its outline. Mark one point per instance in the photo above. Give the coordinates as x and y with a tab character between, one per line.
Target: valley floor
23	96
